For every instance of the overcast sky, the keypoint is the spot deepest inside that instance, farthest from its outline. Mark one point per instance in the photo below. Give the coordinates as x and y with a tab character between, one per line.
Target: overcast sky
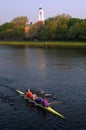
10	9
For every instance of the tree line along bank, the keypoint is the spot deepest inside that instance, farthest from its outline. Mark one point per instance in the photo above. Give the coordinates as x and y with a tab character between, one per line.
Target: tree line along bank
59	28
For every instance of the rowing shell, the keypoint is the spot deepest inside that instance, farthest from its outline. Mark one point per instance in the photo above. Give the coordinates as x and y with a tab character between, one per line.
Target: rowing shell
49	109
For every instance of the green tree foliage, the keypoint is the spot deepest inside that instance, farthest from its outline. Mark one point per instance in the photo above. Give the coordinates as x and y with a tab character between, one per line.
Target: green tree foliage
20	21
51	30
73	21
77	29
74	31
6	31
60	27
55	28
14	30
33	33
61	31
82	34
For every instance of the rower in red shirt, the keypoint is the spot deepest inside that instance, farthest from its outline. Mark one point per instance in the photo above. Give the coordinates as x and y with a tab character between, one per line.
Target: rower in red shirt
29	93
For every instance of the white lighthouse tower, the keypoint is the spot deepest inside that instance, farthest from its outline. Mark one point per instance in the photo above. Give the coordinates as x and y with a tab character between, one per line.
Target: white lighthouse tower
41	15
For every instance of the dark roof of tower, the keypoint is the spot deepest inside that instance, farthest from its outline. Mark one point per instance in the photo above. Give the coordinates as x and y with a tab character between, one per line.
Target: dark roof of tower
40	8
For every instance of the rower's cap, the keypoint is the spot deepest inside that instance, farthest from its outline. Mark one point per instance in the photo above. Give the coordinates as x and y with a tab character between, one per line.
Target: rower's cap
28	89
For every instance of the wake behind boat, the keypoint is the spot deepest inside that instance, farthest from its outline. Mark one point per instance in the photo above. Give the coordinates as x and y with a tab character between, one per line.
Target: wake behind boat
49	109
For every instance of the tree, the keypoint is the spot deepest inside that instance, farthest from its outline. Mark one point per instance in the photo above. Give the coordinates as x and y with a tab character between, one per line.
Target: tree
73	21
5	26
82	35
61	32
33	33
20	21
74	32
19	24
14	30
6	31
51	30
57	27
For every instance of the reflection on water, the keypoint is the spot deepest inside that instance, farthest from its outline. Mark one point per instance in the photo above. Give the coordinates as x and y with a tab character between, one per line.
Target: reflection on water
60	72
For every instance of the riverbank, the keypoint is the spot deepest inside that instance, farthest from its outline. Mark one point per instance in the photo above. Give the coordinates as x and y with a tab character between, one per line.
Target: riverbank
47	44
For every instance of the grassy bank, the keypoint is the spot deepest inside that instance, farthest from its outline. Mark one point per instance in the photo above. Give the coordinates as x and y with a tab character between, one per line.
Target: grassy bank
47	44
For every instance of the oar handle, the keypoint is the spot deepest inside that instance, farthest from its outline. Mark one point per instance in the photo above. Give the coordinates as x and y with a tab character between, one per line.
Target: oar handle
56	102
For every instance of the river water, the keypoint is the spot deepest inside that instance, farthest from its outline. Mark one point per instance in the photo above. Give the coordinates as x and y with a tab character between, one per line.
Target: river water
60	72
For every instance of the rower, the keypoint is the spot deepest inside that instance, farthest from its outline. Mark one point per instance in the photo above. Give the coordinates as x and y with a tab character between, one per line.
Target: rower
45	102
29	93
34	96
39	99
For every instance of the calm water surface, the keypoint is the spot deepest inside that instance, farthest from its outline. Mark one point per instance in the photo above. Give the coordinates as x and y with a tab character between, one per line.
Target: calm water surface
60	72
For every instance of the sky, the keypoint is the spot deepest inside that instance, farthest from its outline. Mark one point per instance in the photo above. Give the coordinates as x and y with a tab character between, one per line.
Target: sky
10	9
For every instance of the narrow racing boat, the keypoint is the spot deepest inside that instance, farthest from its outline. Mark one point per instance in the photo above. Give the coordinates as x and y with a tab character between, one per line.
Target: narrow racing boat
49	109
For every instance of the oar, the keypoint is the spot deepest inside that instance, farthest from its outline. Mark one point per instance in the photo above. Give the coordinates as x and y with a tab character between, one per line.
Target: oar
19	92
47	94
56	103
